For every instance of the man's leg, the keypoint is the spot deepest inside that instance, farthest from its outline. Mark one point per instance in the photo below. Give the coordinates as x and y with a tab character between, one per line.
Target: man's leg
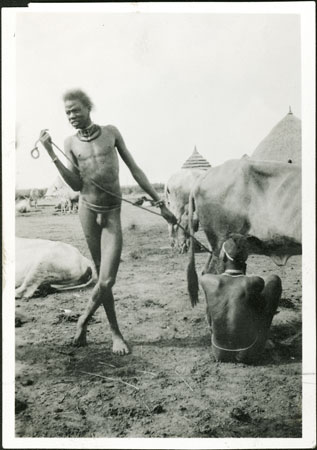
111	245
92	232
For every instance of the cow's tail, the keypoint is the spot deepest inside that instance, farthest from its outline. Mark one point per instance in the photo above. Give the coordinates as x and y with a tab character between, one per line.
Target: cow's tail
192	278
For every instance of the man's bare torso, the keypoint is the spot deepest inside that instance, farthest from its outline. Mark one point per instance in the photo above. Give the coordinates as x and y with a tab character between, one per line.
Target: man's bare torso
98	160
233	306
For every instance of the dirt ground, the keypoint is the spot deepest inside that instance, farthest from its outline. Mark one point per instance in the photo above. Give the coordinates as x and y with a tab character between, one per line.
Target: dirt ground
174	387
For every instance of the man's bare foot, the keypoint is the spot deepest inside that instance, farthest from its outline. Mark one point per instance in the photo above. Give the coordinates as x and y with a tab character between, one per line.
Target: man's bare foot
119	347
80	337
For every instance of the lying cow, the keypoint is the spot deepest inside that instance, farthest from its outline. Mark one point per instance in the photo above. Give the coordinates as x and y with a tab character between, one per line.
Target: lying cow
258	199
43	264
23	206
177	192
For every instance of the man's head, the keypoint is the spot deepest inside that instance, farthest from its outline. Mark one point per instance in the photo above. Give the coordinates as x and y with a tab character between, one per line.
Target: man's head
234	251
77	107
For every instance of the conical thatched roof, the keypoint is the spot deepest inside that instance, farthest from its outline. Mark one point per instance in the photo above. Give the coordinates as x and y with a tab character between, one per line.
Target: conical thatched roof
283	143
196	161
55	186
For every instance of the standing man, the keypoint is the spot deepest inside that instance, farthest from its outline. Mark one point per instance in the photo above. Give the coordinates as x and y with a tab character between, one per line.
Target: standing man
240	308
93	150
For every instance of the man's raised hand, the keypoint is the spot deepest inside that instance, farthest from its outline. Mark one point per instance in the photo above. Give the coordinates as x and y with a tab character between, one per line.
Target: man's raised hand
46	140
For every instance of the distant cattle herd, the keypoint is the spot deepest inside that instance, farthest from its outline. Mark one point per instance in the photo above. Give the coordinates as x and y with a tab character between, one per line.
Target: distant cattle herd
66	200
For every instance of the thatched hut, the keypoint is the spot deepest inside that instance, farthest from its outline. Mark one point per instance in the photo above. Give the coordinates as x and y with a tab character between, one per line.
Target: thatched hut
196	161
283	143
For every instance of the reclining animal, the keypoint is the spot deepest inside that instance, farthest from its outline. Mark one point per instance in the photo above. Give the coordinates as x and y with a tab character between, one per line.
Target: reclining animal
43	265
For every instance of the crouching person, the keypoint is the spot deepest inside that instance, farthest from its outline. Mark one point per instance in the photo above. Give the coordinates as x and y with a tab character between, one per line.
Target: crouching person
240	308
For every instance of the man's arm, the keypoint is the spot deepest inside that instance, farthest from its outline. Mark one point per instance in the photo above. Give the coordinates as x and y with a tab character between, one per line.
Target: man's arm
139	175
210	285
70	173
256	286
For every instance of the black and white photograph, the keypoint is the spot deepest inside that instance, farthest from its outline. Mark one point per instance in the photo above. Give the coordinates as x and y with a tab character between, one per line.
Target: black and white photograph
158	175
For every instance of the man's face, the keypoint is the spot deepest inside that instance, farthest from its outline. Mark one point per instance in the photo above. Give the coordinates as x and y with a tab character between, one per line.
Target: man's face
78	114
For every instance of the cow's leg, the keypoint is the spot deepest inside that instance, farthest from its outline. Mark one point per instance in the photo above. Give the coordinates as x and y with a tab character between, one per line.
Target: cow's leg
29	285
208	265
213	265
25	291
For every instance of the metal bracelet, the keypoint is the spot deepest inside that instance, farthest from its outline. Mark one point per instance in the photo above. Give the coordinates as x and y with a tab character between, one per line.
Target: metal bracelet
159	203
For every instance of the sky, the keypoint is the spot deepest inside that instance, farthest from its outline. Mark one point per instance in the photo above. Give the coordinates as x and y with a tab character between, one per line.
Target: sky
168	82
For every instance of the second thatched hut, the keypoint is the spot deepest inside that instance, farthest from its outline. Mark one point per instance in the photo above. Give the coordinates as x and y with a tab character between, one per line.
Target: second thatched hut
283	143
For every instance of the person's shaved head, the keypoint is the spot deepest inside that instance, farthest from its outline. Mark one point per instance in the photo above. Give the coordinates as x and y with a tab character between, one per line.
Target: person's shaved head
78	94
235	248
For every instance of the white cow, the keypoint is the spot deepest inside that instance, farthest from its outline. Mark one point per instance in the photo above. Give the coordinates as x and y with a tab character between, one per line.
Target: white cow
34	196
177	191
23	206
65	196
46	264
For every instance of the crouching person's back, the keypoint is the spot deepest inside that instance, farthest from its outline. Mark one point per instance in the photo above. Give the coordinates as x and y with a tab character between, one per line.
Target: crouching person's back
240	308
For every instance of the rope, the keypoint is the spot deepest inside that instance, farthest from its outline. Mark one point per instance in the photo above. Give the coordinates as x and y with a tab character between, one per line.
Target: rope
124	199
101	187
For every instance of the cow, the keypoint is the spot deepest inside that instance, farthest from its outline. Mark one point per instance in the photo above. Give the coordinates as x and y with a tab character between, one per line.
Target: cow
65	196
177	191
34	196
68	198
260	200
64	202
43	265
23	206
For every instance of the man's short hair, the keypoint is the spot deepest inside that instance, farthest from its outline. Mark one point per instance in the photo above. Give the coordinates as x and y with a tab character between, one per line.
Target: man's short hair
78	94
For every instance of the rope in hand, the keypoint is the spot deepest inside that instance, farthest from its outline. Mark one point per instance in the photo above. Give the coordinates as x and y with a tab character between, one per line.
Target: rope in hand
36	154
